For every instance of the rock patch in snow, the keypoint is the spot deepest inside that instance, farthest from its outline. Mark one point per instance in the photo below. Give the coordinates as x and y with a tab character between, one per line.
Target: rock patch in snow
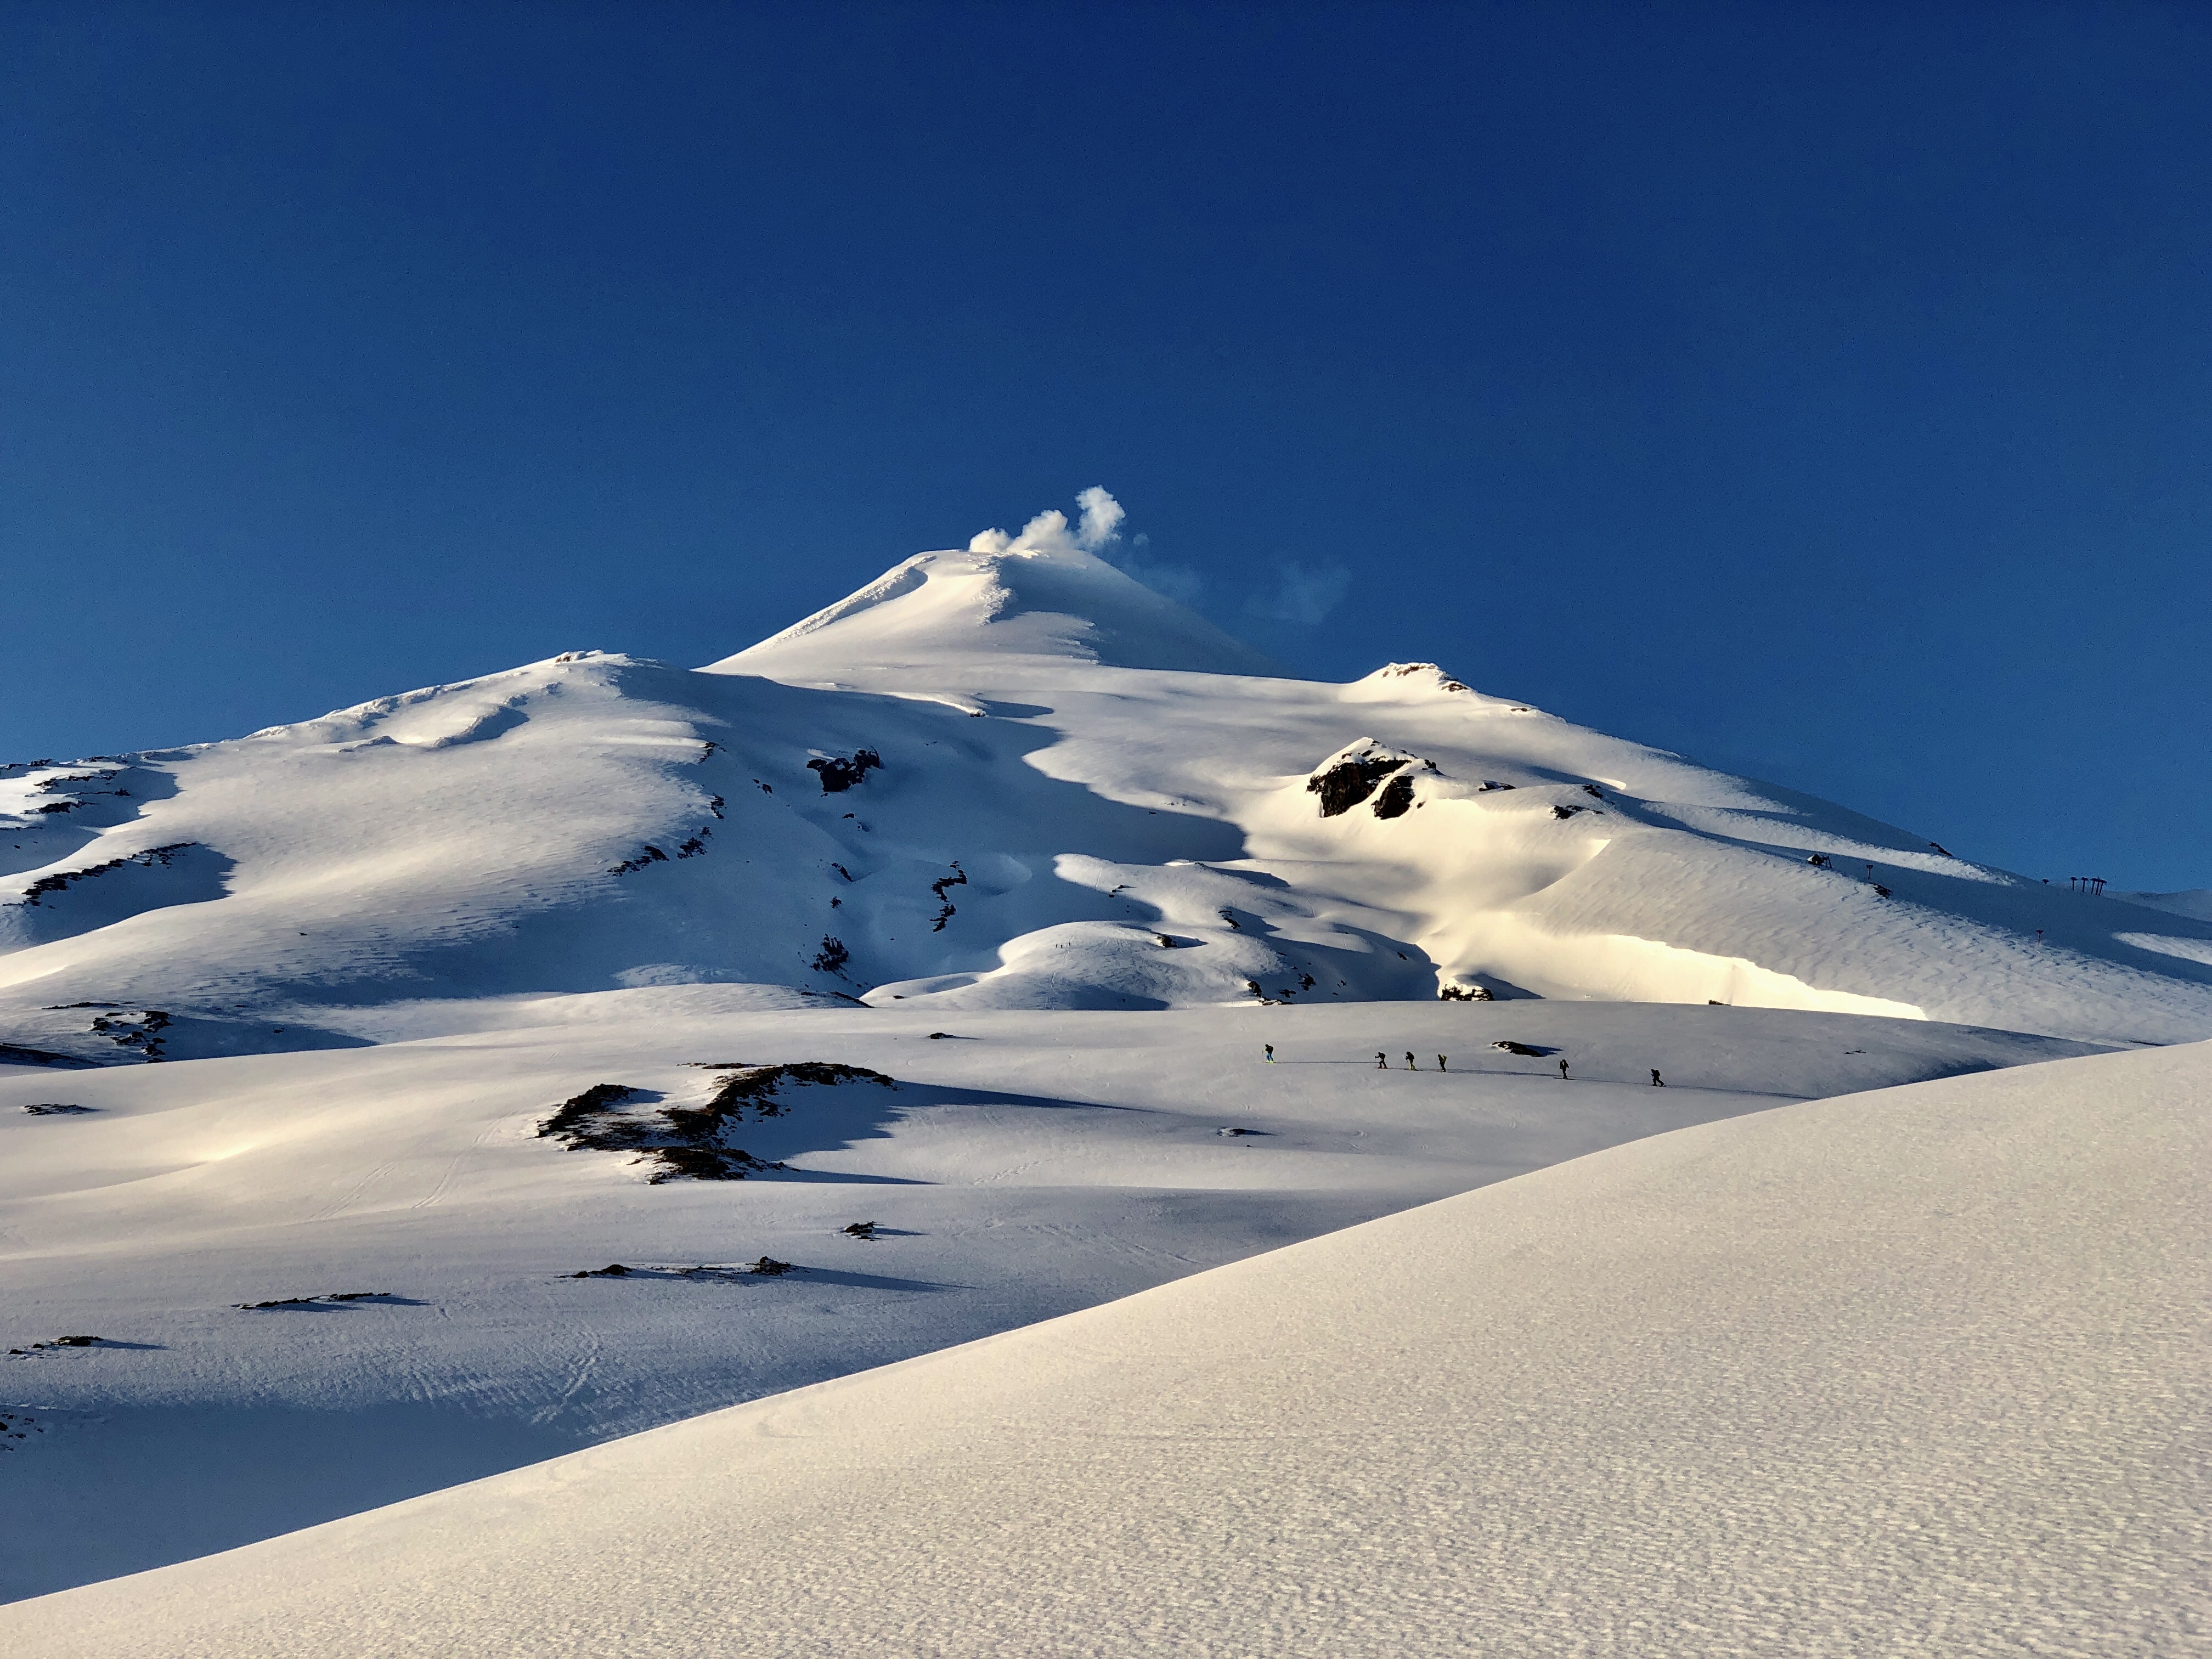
839	774
688	1142
1349	777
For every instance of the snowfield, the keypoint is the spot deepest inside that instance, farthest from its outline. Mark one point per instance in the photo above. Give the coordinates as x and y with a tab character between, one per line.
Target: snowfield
1023	1166
1919	1370
476	1077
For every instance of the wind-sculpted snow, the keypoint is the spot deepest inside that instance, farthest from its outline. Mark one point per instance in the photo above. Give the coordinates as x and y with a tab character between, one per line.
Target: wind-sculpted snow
994	779
1919	1371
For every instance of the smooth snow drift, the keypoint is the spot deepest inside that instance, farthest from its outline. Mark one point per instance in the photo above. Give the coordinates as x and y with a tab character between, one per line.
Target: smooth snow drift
1916	1371
1010	777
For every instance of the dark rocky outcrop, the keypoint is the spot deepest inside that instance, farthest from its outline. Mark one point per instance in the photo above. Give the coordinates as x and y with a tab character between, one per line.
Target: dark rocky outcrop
1349	777
1396	798
839	774
957	878
766	1268
44	886
579	1119
691	1142
136	1029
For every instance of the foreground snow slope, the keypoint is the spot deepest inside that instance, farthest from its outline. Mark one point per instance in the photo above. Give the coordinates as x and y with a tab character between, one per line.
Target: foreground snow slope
1025	1166
1915	1371
1009	777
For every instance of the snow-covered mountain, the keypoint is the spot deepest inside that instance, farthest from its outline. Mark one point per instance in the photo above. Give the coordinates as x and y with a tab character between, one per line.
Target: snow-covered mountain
1006	777
578	1049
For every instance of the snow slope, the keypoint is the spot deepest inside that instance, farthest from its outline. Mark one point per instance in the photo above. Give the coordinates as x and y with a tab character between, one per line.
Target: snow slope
1920	1371
1007	777
2197	903
1026	1166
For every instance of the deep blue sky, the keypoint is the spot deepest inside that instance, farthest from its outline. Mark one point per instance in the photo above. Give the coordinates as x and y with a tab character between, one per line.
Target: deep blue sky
1821	392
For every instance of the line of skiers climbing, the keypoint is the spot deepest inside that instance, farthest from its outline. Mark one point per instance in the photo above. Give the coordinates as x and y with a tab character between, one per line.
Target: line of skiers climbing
1382	1063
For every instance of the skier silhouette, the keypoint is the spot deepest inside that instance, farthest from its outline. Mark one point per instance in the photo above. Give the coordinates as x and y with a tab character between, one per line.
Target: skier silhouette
1563	1071
1441	1066
1409	1061
1381	1064
1657	1082
1270	1052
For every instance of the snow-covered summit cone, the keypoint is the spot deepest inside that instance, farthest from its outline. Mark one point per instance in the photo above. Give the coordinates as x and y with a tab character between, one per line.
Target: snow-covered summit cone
1010	777
1045	594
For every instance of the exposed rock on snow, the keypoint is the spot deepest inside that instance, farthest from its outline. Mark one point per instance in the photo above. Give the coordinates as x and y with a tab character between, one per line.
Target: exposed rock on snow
61	881
1349	777
688	1142
839	774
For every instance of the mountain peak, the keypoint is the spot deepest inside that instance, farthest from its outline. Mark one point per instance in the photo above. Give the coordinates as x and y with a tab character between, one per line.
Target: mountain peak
1044	593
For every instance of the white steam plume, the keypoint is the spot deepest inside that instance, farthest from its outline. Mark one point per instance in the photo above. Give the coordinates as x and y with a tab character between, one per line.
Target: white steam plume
1097	531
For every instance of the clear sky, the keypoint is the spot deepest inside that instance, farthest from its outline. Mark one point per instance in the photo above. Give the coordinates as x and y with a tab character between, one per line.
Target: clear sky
1821	392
